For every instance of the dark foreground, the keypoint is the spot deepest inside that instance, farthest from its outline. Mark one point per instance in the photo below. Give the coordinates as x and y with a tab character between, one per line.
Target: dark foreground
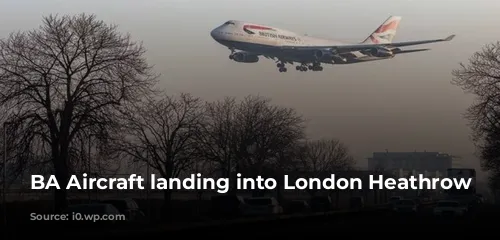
379	221
480	221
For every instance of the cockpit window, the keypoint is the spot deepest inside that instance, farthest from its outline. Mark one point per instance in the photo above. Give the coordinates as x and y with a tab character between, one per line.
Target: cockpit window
229	23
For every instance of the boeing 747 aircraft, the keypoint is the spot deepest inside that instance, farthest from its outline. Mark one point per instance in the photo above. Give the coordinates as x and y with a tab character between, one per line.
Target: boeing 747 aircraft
286	47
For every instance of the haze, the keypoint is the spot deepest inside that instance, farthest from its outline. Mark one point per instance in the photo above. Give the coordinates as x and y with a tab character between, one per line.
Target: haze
403	104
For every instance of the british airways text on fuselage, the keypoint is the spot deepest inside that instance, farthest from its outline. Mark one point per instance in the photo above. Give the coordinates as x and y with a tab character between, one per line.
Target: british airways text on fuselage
273	35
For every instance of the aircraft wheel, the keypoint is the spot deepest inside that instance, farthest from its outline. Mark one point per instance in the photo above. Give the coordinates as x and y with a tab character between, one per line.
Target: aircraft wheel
310	67
304	69
298	68
231	56
280	69
284	69
317	68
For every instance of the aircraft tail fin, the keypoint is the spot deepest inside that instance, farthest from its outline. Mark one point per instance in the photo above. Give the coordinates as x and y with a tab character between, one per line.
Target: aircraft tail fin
385	32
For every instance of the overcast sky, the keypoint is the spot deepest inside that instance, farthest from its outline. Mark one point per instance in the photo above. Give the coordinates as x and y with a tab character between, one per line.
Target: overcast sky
403	104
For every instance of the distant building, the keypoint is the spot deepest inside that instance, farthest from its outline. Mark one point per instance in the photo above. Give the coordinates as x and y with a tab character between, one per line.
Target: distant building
411	163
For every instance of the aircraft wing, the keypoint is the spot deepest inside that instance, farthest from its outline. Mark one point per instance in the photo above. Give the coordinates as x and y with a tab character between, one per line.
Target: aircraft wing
359	47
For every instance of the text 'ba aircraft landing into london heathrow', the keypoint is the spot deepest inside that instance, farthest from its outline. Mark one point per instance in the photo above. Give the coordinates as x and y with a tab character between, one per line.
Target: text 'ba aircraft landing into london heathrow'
286	47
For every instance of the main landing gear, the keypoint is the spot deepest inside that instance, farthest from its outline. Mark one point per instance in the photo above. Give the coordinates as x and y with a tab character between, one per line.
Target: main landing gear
302	68
281	67
314	67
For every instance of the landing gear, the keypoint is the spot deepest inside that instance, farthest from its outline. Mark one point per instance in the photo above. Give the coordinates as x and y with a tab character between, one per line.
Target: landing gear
281	67
313	67
302	68
231	56
316	67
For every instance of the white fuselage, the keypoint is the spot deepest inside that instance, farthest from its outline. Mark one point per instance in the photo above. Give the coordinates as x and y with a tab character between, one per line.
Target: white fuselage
264	35
267	41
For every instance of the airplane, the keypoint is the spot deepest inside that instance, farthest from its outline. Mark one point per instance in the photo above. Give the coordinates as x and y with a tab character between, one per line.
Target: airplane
287	47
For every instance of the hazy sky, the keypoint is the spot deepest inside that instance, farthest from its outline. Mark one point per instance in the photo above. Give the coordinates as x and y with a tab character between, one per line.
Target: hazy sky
403	104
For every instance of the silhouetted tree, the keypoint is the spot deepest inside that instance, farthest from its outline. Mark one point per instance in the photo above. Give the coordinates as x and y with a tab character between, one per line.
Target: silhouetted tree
481	77
490	150
21	155
67	79
265	132
325	156
205	168
250	136
161	132
217	133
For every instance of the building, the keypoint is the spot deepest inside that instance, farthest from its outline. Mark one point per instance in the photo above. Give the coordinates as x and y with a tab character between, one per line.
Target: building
411	163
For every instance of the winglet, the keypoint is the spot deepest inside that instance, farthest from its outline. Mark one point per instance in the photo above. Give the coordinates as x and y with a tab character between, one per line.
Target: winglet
449	38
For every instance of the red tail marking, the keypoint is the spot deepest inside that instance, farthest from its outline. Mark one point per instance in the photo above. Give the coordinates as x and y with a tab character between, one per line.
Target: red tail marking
389	26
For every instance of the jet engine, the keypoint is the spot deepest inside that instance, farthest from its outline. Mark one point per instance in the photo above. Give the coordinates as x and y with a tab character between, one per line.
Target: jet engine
323	55
244	57
328	56
381	52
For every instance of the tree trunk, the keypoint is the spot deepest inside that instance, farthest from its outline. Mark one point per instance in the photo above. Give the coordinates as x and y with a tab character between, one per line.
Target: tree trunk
233	178
60	203
60	153
62	176
279	191
167	205
167	193
60	195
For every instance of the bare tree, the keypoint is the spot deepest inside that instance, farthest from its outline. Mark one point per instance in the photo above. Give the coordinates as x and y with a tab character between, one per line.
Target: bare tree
23	154
325	156
481	77
216	134
68	78
250	136
161	132
205	168
265	133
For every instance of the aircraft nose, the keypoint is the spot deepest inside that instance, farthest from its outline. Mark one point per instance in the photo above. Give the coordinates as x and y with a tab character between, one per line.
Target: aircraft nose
213	33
